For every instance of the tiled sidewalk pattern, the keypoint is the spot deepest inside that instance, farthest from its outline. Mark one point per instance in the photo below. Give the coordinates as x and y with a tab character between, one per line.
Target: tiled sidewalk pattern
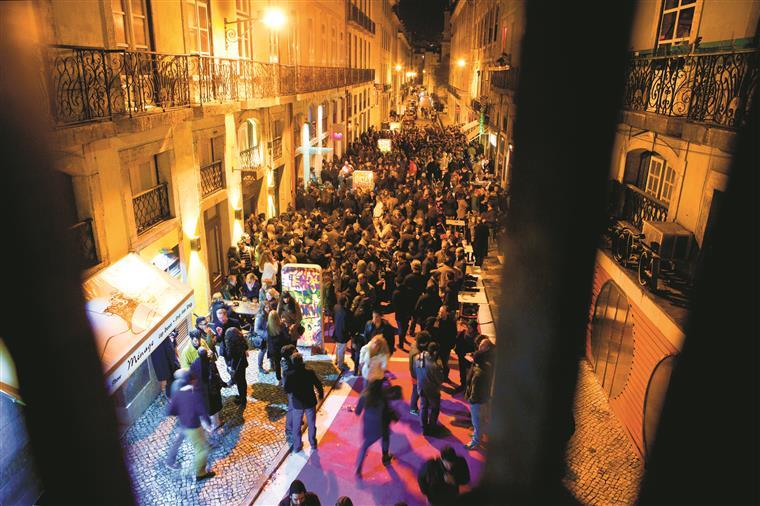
241	450
604	468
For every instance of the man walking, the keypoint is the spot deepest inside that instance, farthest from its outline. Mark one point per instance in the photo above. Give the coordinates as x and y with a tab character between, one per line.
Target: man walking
301	383
188	406
440	478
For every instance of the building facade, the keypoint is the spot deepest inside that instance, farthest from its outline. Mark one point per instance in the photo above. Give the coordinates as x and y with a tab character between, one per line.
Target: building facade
692	68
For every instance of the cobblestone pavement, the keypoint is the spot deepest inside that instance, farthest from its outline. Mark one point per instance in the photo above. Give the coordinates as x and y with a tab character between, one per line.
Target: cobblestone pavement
241	450
603	466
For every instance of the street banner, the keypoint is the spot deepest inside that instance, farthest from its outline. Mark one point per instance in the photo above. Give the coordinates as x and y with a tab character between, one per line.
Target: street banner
304	282
364	179
384	145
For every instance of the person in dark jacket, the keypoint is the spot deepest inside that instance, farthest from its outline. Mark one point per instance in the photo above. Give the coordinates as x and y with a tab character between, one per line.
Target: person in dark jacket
426	306
480	242
260	334
341	333
446	334
429	373
286	368
251	288
231	289
423	338
165	362
439	479
478	393
377	419
210	385
302	383
188	406
378	325
236	357
299	496
277	337
465	345
224	323
402	307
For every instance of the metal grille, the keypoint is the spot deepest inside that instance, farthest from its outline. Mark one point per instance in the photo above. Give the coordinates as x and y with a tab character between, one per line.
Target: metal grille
151	207
212	178
713	88
640	206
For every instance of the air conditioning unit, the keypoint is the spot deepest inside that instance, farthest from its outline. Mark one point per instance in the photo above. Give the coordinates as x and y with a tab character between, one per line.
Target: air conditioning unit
675	241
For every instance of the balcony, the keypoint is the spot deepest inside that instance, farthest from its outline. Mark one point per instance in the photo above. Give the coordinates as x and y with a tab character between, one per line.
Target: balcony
355	15
93	84
714	89
505	80
212	178
151	207
276	148
83	238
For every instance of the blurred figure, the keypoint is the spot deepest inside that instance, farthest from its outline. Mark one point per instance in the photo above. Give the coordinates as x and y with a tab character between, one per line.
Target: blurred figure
299	496
440	478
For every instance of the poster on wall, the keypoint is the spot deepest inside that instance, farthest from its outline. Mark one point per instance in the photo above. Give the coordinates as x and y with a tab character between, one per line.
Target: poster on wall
304	282
364	179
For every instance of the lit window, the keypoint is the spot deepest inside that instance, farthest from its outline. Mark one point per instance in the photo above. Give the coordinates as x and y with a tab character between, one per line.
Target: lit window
130	20
654	176
668	184
199	34
676	21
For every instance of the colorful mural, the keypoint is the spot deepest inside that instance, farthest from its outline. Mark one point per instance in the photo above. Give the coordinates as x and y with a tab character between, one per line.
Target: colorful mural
304	282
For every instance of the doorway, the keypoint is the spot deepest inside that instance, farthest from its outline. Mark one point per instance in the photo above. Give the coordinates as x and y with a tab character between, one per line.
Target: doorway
213	225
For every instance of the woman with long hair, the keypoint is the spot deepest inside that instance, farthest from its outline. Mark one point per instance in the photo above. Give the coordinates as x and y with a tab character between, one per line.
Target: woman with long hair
268	267
277	337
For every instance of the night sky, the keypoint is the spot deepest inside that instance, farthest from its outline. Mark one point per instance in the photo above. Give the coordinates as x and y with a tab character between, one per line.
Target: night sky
424	18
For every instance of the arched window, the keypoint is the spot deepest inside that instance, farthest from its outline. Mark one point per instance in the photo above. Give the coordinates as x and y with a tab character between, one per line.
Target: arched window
612	339
654	400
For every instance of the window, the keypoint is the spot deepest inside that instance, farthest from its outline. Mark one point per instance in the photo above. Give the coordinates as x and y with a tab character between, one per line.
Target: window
612	339
668	184
245	49
198	26
130	21
654	176
676	21
144	176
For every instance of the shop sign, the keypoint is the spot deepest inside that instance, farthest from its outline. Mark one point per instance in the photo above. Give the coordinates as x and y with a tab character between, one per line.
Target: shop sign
115	378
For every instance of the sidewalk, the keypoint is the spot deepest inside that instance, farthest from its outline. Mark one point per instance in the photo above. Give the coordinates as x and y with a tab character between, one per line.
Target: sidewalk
242	449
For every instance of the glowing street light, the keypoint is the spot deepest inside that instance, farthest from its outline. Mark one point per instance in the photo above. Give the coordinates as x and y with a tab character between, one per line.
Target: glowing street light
274	18
461	63
398	67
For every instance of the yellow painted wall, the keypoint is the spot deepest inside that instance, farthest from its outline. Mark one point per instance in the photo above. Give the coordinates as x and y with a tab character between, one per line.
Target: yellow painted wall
78	22
168	27
728	20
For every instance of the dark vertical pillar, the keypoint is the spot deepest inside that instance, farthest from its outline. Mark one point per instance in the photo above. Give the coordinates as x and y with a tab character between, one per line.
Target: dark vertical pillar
569	95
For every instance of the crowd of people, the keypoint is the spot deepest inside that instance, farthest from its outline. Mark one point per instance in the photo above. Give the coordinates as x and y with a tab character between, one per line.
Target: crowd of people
383	249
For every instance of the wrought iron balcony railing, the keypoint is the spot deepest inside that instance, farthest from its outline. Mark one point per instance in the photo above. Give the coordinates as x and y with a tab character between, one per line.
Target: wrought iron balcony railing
250	159
356	15
93	84
707	88
505	79
639	206
276	148
151	207
84	239
212	178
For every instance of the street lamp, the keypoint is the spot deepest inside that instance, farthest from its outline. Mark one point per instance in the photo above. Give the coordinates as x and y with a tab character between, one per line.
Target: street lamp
461	63
398	67
274	18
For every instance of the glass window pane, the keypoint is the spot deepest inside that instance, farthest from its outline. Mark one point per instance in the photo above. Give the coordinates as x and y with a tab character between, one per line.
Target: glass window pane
688	2
138	9
191	21
684	22
138	29
202	16
671	4
204	41
119	29
668	23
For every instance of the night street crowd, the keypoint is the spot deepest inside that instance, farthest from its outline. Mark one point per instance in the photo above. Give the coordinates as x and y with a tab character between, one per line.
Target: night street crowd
386	249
